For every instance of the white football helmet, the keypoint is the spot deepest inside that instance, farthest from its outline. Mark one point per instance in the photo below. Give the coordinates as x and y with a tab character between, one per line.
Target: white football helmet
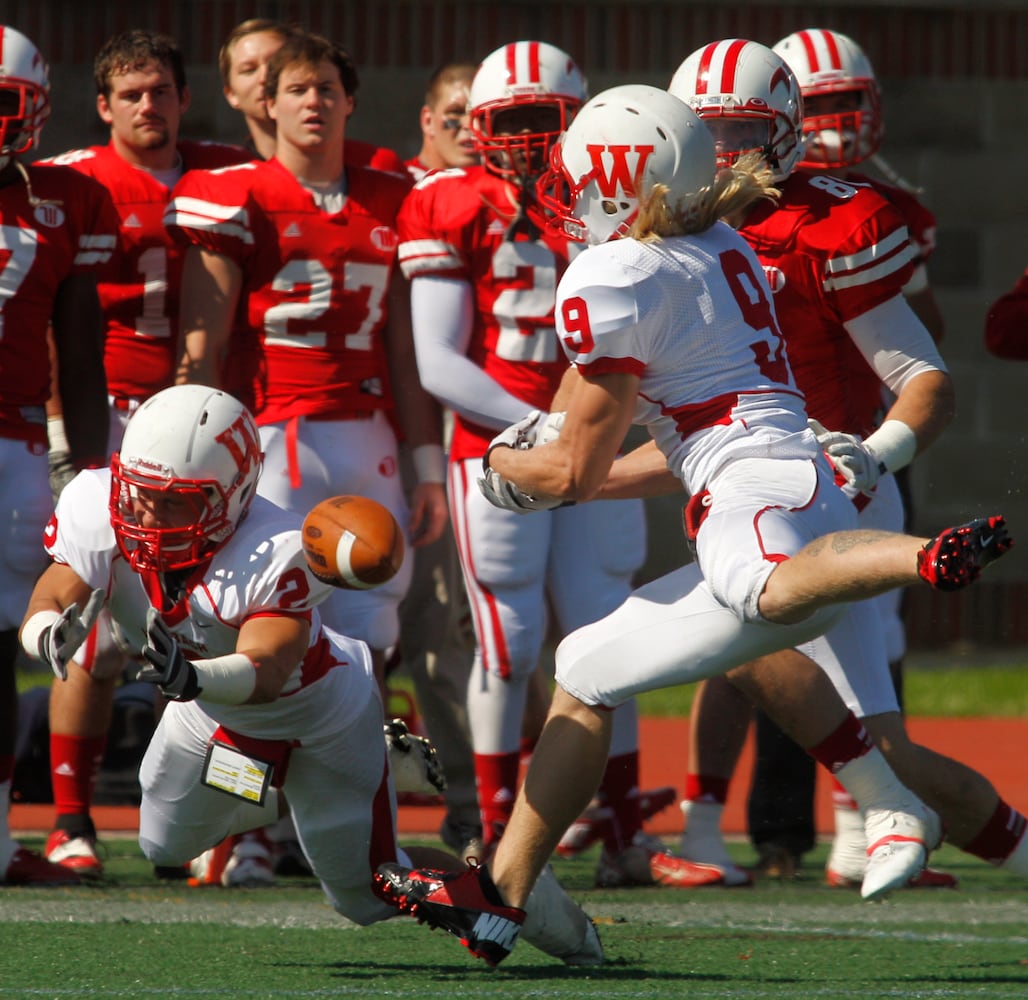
750	99
24	94
527	77
831	65
622	143
190	460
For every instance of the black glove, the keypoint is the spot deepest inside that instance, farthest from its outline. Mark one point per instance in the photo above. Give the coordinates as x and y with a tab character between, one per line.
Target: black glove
168	668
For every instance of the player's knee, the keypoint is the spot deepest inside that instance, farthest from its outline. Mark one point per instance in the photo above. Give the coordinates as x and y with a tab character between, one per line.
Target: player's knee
361	905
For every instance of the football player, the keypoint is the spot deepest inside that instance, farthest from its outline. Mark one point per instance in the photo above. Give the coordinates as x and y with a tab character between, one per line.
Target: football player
56	228
301	250
842	130
243	62
142	96
483	275
668	321
446	137
208	583
838	256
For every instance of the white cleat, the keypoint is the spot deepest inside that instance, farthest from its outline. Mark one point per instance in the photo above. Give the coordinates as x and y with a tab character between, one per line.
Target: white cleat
898	845
557	925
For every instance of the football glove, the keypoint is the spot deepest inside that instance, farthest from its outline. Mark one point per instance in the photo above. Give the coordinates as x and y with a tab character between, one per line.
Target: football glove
62	472
413	761
504	494
860	467
166	666
59	642
520	435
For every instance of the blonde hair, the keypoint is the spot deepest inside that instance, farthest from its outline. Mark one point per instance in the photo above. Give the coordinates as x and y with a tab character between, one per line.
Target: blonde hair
734	189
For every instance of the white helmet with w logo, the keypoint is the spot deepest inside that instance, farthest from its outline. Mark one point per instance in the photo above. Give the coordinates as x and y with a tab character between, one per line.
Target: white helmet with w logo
622	143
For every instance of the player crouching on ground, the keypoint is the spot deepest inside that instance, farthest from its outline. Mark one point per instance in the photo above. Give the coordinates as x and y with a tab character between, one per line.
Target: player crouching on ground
207	584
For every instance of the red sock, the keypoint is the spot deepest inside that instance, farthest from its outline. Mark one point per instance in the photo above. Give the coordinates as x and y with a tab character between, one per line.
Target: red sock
995	842
74	765
620	792
706	788
846	743
496	775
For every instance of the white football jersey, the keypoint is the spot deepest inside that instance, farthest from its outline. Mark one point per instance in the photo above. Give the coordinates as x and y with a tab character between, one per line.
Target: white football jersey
260	570
693	318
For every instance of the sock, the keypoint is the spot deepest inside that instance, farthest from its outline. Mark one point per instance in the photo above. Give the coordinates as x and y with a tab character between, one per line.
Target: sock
619	789
74	766
845	744
7	844
496	775
1002	840
706	788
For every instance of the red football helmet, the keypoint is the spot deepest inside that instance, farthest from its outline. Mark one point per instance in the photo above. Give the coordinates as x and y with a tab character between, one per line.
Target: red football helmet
190	461
523	97
833	70
24	94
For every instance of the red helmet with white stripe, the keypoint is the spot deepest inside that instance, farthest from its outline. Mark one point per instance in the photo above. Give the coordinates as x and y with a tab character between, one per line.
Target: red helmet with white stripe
750	100
523	97
842	121
24	94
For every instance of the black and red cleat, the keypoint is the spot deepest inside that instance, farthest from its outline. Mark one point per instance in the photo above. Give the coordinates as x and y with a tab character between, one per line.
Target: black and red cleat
467	904
954	558
30	868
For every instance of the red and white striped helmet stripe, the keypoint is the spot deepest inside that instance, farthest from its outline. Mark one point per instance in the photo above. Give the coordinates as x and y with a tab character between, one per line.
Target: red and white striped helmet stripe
822	50
717	67
523	63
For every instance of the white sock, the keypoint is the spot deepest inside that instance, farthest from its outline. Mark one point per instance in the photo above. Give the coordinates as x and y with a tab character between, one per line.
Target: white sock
702	839
1017	860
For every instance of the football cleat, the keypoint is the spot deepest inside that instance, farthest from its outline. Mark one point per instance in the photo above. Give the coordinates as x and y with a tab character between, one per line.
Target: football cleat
243	861
930	878
30	868
597	821
646	861
467	904
413	761
77	854
898	842
954	558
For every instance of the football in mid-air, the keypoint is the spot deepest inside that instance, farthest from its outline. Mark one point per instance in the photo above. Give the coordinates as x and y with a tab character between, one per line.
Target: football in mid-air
352	542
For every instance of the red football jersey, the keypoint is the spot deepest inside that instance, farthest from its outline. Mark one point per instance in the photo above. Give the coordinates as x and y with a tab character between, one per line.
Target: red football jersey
314	284
919	219
68	226
454	225
139	291
363	154
831	251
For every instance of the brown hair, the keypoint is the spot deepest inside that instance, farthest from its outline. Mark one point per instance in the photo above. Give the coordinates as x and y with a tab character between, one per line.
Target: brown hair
446	75
302	48
251	26
133	50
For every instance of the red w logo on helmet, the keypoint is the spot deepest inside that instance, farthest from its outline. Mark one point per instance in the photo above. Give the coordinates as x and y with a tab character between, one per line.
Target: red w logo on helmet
620	174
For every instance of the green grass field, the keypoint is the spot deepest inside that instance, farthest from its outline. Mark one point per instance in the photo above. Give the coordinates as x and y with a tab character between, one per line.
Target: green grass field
136	937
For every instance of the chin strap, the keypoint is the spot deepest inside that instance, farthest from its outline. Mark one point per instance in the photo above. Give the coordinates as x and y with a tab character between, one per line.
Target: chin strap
33	200
522	224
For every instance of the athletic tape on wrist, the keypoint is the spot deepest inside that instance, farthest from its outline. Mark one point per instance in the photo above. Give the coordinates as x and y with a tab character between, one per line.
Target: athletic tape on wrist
32	631
429	463
227	680
893	444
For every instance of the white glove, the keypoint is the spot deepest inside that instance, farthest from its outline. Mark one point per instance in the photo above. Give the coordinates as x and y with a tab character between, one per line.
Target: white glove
858	464
504	494
59	641
520	435
550	428
413	761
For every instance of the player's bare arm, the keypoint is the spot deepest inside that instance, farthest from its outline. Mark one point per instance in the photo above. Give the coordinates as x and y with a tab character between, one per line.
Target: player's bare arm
275	644
642	472
576	465
58	587
82	385
211	285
